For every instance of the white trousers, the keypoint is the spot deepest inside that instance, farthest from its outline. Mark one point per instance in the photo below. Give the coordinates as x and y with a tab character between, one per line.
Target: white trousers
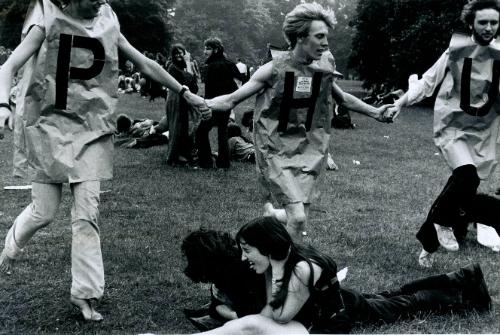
86	259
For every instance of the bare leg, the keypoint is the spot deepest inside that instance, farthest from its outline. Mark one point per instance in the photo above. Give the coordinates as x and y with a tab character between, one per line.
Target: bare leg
86	308
6	263
296	220
278	213
330	164
257	324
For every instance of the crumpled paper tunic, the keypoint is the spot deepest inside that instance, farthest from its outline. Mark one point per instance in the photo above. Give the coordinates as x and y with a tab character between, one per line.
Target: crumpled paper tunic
68	95
466	112
292	127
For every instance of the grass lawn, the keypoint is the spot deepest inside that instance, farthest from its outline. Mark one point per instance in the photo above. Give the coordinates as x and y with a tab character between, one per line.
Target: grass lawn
366	219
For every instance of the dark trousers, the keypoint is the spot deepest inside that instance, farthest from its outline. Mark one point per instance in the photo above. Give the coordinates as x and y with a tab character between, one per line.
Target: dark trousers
451	208
457	291
219	120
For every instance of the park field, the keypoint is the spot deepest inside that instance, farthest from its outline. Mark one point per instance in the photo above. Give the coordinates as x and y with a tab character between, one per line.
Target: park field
366	219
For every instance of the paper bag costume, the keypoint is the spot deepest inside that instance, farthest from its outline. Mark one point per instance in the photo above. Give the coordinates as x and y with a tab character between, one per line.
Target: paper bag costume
466	112
292	127
67	97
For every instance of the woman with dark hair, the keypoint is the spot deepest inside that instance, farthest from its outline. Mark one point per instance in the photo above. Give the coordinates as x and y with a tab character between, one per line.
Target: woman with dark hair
182	120
304	295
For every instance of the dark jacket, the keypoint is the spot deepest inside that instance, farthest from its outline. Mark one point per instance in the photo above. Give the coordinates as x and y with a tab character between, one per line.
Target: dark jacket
219	77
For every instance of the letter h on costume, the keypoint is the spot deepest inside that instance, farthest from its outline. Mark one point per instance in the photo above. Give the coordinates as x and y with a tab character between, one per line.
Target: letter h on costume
65	72
288	102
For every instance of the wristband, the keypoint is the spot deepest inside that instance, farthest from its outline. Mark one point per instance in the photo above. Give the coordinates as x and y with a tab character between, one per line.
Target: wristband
183	90
6	105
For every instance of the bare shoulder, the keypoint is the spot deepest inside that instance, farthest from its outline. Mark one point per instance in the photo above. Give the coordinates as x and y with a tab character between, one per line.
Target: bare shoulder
303	271
263	73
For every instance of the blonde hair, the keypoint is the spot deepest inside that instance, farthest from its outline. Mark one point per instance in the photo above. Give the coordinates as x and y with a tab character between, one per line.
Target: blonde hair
298	21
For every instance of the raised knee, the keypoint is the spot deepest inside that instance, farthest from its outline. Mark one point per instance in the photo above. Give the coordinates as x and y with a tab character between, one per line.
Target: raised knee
297	219
42	218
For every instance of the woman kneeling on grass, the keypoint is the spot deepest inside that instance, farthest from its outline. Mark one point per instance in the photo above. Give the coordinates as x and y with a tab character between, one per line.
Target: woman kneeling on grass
304	295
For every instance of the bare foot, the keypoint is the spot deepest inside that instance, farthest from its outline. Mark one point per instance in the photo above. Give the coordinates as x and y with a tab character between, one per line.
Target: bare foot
85	306
277	213
6	263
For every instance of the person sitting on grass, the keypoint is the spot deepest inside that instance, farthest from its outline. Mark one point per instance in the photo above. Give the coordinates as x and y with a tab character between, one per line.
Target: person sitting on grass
304	294
240	149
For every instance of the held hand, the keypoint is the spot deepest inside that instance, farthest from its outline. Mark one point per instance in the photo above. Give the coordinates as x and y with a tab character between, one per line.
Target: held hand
393	112
199	103
6	118
383	114
219	103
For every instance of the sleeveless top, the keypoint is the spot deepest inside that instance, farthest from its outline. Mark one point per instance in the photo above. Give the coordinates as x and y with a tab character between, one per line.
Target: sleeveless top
68	96
292	127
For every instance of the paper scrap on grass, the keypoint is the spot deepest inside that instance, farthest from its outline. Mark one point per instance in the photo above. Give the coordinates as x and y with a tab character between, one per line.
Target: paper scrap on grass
342	274
18	187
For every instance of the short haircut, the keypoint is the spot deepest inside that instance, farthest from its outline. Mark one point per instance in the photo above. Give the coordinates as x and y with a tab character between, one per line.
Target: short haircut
214	43
298	22
470	9
123	123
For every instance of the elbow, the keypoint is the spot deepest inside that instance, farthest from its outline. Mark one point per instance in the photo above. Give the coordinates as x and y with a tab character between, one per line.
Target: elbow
282	318
8	70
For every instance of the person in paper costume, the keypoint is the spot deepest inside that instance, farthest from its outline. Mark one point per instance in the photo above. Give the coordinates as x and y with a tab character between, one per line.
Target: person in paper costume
466	129
293	113
67	96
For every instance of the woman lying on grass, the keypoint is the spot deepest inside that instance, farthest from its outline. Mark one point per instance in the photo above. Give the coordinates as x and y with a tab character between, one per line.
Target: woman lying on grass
304	295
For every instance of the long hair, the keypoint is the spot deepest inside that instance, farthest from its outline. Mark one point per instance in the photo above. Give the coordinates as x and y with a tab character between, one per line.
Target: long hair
271	238
470	9
176	48
216	45
298	22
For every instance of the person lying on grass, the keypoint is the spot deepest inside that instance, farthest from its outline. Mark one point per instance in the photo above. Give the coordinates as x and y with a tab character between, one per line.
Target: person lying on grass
303	293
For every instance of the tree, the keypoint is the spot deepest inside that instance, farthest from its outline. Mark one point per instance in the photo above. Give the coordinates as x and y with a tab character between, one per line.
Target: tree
145	23
392	42
341	38
238	23
12	17
136	17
